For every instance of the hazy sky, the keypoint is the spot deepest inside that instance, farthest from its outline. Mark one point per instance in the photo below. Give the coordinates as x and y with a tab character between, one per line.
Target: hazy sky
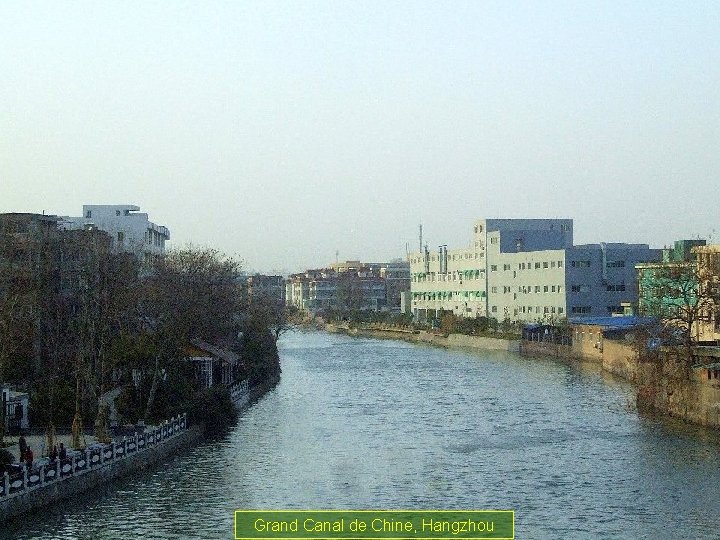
284	131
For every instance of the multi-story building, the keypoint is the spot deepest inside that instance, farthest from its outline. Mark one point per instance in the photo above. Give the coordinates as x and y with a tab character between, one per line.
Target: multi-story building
36	253
131	231
661	283
525	270
708	269
684	289
349	285
268	287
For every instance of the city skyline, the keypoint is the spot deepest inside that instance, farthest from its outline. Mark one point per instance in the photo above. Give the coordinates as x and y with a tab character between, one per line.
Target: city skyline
283	133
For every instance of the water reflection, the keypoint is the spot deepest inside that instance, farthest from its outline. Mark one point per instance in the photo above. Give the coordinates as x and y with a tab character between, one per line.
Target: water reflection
360	423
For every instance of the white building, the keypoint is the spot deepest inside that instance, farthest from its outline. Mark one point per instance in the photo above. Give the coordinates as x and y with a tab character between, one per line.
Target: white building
131	230
457	280
525	270
16	406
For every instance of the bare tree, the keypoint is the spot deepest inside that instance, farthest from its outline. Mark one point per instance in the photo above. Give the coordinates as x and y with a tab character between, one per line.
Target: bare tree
272	312
191	294
681	296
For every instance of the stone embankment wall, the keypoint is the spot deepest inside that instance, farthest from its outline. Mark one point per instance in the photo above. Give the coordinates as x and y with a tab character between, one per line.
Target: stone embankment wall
534	348
460	341
96	466
667	385
617	357
672	387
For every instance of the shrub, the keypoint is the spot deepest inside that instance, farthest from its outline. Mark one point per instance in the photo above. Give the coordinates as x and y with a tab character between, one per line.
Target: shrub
214	409
6	458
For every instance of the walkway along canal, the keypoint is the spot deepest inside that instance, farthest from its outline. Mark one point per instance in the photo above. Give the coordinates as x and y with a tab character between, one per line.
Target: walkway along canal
364	423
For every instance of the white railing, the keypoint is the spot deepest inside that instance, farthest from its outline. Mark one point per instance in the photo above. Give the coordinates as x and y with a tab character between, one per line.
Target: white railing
240	392
95	456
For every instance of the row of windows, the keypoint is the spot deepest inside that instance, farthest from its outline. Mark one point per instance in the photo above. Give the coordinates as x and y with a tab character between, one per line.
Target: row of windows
612	287
153	237
580	264
537	309
448	295
529	266
455	257
581	310
529	289
449	276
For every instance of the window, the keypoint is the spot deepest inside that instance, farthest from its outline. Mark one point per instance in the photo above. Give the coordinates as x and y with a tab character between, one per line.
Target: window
494	309
545	264
545	288
553	288
615	264
560	264
580	264
117	212
121	237
580	288
581	310
493	267
494	240
552	264
612	287
537	288
88	214
560	310
537	265
506	267
493	289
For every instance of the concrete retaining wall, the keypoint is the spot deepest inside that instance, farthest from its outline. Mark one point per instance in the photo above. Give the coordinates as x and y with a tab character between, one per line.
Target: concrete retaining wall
460	341
535	348
481	342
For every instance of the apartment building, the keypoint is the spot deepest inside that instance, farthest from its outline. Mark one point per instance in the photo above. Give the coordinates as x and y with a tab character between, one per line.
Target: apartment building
131	230
266	287
525	270
349	285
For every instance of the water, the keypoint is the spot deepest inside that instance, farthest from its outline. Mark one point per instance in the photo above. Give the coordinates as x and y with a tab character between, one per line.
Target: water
363	423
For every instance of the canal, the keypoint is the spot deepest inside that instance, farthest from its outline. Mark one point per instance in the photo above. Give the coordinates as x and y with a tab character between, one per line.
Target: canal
365	423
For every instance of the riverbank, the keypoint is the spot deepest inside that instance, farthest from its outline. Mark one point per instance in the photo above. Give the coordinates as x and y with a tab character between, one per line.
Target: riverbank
670	384
453	341
51	482
82	471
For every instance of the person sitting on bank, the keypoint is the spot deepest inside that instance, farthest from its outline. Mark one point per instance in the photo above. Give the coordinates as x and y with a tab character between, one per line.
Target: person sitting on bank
63	451
54	453
29	457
